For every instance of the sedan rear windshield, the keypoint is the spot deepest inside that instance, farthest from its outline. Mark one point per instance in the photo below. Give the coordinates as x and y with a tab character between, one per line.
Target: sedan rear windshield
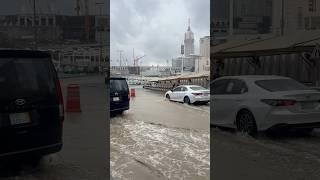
26	77
197	88
275	85
118	85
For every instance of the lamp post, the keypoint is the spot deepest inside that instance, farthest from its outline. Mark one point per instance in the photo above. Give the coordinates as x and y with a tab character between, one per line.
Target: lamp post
100	4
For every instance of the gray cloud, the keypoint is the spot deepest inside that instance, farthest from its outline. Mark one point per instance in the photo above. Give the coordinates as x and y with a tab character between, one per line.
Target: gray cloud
155	27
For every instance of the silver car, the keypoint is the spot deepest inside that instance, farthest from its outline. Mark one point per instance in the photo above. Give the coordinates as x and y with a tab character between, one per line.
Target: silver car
258	103
189	94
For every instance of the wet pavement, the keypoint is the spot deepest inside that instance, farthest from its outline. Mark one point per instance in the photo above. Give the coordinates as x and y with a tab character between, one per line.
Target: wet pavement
159	139
285	155
84	152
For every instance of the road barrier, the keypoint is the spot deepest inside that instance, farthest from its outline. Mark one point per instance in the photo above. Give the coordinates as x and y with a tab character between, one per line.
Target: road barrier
167	84
73	98
132	92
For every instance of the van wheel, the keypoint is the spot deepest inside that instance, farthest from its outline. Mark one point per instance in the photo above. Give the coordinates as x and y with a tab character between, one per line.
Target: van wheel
305	131
186	100
33	160
246	123
168	96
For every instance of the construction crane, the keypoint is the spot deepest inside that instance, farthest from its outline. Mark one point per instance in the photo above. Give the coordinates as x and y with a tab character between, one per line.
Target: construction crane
136	59
77	8
87	20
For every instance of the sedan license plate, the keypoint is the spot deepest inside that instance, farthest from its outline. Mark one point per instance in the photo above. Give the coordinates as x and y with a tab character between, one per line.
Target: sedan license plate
116	99
19	118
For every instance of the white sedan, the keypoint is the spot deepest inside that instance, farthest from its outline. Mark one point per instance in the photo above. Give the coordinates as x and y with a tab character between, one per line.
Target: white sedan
257	103
189	94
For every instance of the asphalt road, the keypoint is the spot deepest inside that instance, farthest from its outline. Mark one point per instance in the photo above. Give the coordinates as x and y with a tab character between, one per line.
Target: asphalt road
285	155
159	139
84	153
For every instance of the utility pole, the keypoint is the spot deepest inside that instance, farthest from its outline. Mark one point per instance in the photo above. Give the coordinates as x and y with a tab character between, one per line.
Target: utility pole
100	28
182	61
282	17
34	24
231	17
120	51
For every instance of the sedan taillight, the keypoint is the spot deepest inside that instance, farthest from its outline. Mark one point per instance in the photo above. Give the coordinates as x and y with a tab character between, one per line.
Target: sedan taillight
197	94
279	102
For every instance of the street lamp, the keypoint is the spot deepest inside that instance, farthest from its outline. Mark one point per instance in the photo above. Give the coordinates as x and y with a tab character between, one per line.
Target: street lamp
100	4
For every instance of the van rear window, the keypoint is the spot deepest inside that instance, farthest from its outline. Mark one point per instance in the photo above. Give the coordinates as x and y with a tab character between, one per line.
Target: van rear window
26	77
118	85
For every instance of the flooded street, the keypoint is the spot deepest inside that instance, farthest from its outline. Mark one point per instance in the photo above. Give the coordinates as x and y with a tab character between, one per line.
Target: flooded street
158	139
269	156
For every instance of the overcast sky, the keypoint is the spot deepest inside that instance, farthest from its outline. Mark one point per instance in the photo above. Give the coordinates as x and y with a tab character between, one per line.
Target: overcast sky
155	28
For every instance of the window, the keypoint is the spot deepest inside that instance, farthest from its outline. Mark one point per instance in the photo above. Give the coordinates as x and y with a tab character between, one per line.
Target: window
219	86
236	87
21	77
118	85
177	89
197	88
43	21
275	85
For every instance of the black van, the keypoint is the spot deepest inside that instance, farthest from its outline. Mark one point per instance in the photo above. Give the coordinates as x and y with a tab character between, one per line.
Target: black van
119	95
31	105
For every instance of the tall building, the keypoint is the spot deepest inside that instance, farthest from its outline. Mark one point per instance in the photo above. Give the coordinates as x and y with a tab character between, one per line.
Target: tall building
205	46
189	42
203	62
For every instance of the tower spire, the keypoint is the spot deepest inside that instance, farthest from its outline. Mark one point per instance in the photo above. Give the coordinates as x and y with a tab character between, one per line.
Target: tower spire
189	24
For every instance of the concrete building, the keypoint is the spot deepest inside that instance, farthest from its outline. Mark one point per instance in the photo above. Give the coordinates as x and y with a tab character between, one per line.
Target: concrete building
296	15
52	29
203	62
188	63
248	17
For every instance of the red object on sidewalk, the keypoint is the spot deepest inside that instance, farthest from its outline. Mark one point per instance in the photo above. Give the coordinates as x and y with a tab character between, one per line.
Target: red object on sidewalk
133	92
73	98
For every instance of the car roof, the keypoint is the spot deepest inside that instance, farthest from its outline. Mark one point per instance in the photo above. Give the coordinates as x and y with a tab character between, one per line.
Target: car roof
255	77
191	85
119	78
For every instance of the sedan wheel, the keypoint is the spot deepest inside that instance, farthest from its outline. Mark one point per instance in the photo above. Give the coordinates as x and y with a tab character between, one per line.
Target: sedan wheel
246	123
168	96
186	100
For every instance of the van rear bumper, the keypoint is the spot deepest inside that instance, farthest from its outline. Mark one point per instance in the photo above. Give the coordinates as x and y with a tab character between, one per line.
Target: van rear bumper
37	151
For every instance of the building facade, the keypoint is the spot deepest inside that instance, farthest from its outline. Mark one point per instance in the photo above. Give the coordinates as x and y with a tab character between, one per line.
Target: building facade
203	62
245	16
189	42
296	15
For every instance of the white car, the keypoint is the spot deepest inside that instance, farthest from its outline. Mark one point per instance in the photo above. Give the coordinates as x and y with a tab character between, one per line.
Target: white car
258	103
189	94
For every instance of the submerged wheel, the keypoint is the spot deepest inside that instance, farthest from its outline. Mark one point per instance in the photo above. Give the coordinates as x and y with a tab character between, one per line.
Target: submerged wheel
168	96
186	100
246	123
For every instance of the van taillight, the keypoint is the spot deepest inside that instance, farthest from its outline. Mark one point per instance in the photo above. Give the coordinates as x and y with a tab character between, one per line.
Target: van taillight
60	98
